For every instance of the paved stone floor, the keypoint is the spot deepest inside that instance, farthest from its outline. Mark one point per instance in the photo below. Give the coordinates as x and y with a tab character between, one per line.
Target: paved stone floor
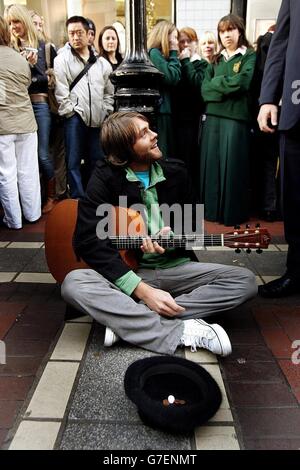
60	389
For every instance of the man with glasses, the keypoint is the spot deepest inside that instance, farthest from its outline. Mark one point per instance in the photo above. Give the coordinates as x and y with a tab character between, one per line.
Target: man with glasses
85	96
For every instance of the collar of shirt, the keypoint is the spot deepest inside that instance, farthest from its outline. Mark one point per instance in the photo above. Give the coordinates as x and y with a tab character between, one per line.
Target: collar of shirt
156	176
241	50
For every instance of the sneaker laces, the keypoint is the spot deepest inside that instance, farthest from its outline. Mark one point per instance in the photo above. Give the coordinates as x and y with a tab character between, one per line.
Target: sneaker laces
199	341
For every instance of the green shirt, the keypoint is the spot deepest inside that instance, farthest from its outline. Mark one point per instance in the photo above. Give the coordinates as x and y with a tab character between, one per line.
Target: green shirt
226	86
129	281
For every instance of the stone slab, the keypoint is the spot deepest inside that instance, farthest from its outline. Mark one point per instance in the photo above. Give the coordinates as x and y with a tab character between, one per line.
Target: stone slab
119	436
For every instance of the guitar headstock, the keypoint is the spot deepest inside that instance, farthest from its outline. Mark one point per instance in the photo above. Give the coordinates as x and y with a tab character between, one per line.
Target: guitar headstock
258	239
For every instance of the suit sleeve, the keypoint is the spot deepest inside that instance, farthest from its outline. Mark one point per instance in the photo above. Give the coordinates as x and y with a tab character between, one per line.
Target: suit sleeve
272	84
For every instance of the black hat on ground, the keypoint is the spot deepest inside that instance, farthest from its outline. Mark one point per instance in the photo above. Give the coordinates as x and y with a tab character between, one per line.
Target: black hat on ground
171	393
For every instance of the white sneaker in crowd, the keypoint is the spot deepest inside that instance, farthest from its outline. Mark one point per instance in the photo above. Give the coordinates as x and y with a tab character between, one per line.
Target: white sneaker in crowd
198	333
110	337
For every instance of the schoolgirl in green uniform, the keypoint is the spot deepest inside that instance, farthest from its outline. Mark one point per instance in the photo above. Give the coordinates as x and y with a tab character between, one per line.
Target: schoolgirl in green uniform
226	131
163	51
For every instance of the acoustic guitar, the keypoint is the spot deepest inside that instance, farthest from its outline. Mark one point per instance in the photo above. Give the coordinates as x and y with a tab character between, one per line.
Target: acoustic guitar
129	232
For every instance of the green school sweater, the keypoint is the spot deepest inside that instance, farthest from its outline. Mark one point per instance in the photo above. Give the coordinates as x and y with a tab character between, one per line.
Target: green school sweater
171	69
226	87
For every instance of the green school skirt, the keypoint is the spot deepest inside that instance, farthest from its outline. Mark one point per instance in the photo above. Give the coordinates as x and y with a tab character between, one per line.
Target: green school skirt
225	170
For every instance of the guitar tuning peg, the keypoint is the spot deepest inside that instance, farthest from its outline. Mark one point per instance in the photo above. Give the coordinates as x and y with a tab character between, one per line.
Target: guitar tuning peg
257	225
237	227
248	251
238	251
247	226
259	251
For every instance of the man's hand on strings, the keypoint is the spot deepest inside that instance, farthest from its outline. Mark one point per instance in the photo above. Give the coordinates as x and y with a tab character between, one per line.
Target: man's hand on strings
153	247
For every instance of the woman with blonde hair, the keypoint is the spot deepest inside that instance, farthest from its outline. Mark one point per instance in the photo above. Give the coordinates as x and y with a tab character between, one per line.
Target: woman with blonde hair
208	46
23	32
19	171
163	51
24	39
39	24
57	141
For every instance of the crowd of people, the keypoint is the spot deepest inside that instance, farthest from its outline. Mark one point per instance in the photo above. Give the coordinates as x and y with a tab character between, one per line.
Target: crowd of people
55	102
206	116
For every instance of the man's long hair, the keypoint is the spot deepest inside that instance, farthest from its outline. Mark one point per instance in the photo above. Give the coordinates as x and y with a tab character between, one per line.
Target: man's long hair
118	136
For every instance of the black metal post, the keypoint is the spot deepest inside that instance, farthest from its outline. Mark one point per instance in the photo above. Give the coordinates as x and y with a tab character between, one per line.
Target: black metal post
239	8
136	79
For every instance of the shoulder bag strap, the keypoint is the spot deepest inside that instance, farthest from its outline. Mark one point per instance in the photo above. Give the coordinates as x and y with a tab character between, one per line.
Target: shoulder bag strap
82	73
47	55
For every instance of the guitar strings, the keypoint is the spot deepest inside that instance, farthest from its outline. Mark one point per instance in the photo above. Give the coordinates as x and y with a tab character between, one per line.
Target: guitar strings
126	241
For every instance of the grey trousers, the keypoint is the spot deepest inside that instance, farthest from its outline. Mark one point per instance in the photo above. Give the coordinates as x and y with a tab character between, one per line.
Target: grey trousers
202	289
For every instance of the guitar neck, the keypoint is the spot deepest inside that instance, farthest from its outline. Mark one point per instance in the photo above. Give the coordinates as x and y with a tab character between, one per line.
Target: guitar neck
175	241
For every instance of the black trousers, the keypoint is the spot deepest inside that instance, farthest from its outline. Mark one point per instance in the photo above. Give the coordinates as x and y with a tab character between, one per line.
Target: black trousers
290	165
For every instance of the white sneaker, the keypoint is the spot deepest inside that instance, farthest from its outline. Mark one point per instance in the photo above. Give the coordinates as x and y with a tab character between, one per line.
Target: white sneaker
198	333
110	337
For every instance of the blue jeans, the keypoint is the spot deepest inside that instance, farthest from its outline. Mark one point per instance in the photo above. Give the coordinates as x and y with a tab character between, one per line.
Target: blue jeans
82	143
43	119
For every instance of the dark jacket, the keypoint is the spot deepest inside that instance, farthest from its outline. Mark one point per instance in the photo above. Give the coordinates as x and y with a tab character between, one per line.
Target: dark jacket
39	79
282	69
106	185
263	46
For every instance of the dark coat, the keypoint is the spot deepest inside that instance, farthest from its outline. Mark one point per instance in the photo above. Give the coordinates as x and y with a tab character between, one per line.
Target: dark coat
282	69
39	79
263	45
106	185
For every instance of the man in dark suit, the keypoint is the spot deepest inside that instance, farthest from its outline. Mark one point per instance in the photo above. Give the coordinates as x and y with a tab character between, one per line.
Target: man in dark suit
282	81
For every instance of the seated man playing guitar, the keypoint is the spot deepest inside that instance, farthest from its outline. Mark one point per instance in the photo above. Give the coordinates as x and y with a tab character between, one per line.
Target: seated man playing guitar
161	306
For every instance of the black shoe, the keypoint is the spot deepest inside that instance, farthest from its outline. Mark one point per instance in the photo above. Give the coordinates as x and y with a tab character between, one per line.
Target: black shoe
72	313
281	287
